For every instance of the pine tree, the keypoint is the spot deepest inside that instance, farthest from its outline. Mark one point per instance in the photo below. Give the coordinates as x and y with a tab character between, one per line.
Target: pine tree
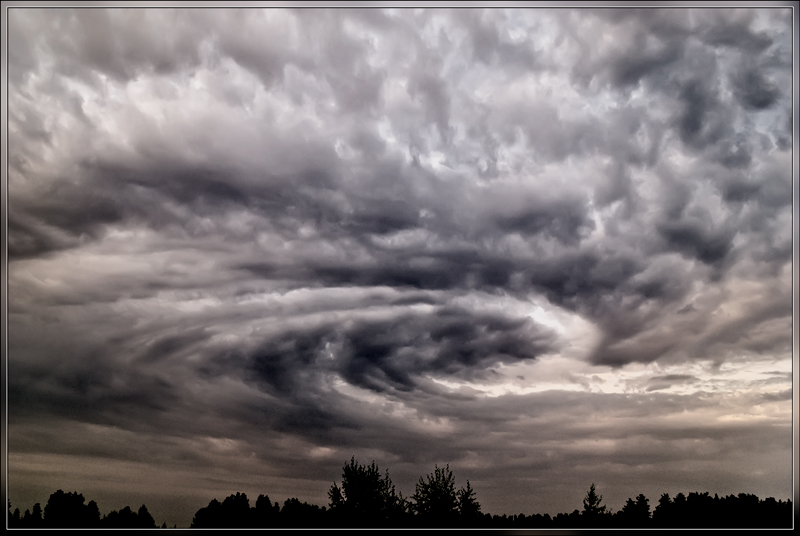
468	506
592	509
145	520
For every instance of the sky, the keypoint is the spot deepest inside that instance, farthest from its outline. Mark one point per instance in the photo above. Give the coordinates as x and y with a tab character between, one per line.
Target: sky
547	247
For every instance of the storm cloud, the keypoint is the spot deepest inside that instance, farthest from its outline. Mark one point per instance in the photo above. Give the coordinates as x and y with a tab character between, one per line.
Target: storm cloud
524	242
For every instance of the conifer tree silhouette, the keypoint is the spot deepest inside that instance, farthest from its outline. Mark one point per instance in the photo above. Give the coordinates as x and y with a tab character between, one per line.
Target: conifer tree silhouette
593	514
468	506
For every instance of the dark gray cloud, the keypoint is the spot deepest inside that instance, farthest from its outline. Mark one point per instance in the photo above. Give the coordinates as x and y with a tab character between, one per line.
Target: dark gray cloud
754	90
267	240
668	380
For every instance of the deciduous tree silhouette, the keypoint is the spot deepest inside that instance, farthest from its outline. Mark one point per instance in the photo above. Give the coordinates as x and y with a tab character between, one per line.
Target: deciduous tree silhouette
365	499
570	520
209	517
302	515
233	512
697	510
235	509
66	510
128	519
265	513
118	519
435	501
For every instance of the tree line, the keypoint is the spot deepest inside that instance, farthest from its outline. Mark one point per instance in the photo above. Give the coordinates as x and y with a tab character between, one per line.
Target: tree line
368	498
67	510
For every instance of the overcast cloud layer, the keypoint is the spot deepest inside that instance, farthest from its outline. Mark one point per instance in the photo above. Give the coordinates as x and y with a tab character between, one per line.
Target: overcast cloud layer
547	247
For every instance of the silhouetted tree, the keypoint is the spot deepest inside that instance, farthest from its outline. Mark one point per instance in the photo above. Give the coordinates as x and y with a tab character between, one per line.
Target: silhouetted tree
593	514
643	506
677	512
209	517
265	513
235	510
570	520
591	503
541	521
468	507
664	512
93	513
119	519
13	517
775	513
634	513
365	498
521	521
747	510
126	518
623	517
66	510
435	501
145	520
302	515
34	518
25	518
698	510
